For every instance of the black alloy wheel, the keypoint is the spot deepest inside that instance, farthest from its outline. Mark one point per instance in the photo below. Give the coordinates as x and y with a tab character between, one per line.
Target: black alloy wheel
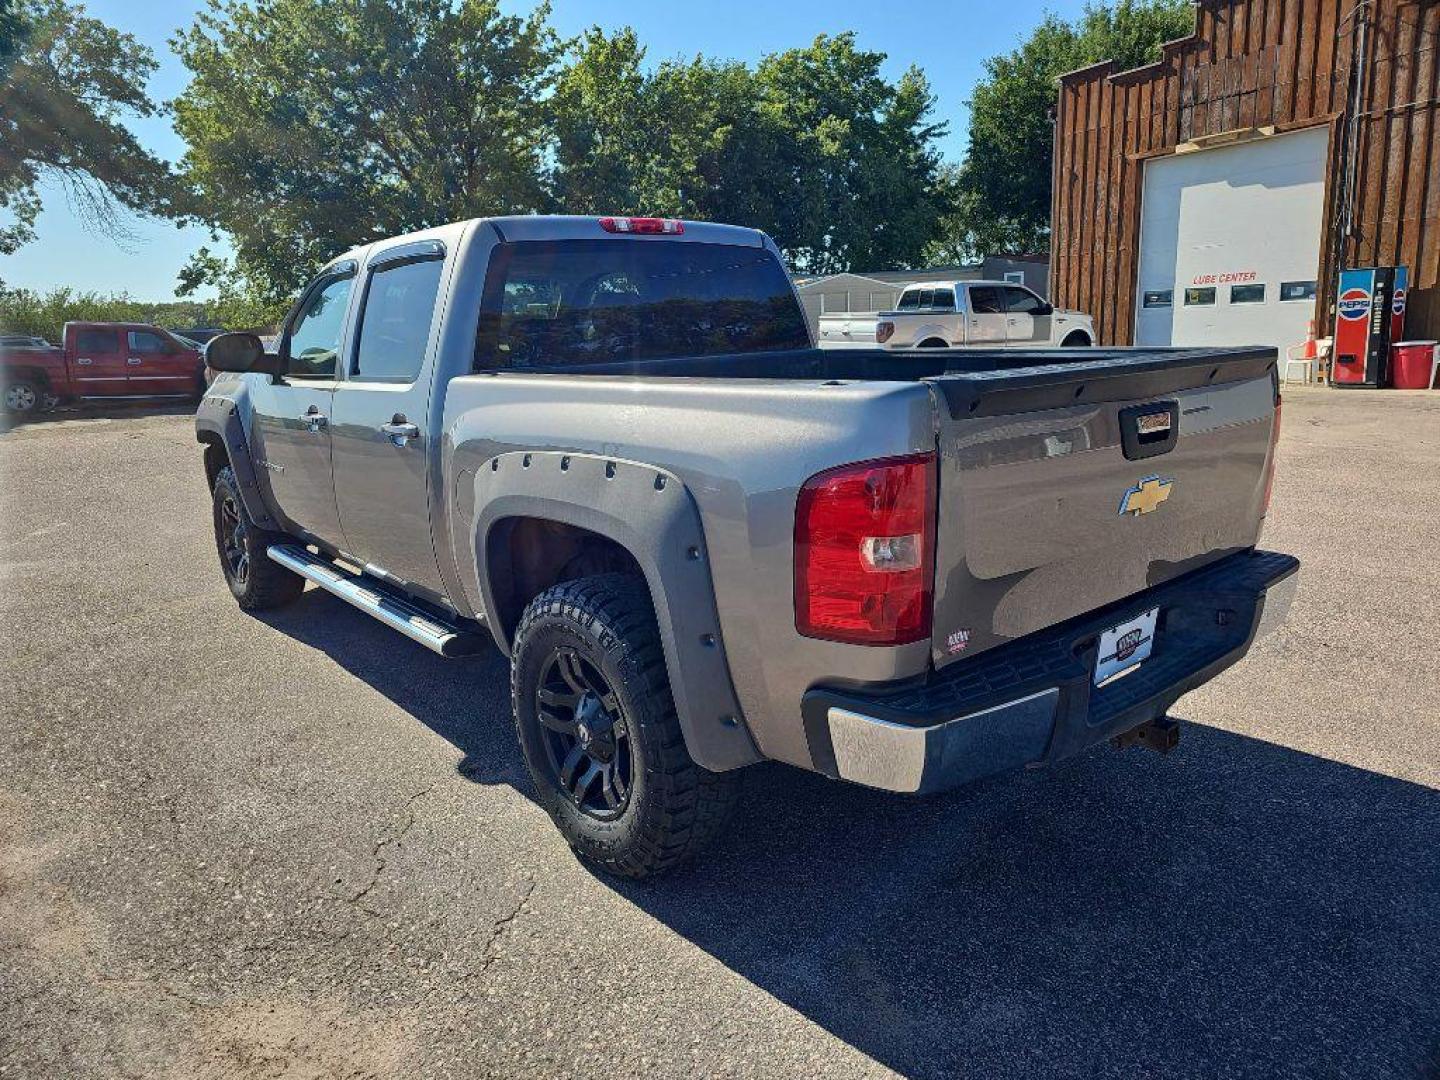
586	738
230	529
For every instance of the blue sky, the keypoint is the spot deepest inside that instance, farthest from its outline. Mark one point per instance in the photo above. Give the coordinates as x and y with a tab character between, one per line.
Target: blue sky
948	40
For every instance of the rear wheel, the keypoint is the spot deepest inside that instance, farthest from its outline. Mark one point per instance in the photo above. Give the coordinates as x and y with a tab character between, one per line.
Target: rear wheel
933	343
255	580
23	396
599	733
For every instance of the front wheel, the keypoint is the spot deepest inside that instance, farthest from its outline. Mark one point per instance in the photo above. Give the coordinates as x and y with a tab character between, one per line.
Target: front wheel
599	733
256	581
1077	339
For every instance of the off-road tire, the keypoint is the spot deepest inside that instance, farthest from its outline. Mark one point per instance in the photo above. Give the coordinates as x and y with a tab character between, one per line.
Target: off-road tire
674	806
23	397
265	583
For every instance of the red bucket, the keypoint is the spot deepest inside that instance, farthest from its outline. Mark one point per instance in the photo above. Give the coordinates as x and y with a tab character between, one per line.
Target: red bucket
1410	364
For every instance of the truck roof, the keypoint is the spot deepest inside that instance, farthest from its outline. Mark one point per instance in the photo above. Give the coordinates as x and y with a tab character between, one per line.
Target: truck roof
522	227
957	282
85	323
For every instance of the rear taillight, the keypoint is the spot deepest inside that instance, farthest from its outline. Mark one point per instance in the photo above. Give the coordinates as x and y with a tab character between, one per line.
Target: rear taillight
645	225
1270	461
865	552
884	331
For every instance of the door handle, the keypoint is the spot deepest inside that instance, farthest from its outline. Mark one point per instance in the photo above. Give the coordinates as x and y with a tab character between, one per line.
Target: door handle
314	418
84	361
134	360
400	431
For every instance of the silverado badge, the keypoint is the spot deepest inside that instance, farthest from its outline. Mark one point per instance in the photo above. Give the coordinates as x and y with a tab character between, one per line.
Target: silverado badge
1145	496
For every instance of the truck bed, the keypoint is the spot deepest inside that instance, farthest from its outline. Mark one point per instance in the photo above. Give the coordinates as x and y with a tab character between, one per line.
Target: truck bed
1033	469
975	381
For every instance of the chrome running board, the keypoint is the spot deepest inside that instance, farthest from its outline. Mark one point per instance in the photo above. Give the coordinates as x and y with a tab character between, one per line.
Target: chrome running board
380	602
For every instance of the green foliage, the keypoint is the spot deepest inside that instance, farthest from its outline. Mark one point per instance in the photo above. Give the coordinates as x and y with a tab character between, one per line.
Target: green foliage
813	145
23	311
315	126
1000	196
66	83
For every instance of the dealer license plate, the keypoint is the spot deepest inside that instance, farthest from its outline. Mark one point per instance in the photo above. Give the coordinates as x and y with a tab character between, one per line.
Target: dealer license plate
1125	646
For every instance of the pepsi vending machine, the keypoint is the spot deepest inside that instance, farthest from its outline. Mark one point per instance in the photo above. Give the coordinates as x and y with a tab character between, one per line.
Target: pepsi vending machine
1369	315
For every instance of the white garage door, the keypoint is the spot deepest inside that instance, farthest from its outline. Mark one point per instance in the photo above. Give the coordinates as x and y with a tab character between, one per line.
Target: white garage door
1230	243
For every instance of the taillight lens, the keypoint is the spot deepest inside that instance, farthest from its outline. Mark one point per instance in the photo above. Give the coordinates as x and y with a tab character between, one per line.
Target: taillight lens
884	331
1270	463
645	225
865	552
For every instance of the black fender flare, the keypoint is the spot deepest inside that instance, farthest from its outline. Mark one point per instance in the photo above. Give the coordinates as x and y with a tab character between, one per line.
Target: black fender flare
219	421
651	514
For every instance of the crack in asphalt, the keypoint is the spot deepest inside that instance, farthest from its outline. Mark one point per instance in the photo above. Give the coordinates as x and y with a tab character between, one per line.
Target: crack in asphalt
490	953
385	842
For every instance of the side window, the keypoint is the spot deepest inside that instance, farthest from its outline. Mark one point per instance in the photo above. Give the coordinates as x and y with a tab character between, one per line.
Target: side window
91	342
313	342
986	300
395	320
1022	301
944	300
909	300
148	343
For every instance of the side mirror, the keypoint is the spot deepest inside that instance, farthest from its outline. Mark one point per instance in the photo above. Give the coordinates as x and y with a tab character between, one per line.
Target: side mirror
1045	309
240	352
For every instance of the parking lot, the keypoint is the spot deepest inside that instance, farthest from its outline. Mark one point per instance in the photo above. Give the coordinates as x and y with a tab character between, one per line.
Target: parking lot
301	846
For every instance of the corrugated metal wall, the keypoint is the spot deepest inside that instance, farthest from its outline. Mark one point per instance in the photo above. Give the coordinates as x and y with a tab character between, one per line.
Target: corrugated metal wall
1252	64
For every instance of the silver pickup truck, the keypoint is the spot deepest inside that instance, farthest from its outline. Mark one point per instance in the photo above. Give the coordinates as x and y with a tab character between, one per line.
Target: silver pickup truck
611	446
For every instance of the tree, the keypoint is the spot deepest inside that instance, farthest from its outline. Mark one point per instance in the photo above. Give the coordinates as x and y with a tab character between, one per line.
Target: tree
315	126
813	145
858	176
66	82
1000	195
605	131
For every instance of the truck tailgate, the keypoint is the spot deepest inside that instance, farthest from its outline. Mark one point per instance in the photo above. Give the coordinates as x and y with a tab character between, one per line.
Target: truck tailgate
1049	509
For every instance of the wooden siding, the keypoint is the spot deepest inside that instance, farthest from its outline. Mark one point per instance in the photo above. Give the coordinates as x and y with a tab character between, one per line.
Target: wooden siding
1282	64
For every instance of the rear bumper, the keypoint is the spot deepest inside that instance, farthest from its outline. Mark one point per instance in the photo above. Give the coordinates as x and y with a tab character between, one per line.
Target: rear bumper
1033	702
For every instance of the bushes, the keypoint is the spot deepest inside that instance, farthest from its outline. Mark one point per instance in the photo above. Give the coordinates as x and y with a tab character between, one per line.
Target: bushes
23	311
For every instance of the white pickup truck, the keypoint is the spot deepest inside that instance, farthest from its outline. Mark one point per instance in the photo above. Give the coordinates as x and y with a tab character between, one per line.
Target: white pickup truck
946	314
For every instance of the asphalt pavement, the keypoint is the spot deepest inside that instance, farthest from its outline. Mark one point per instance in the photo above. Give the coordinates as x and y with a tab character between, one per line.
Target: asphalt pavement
301	846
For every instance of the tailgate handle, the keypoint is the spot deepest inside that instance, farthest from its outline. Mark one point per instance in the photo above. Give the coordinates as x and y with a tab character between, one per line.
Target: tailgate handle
1149	430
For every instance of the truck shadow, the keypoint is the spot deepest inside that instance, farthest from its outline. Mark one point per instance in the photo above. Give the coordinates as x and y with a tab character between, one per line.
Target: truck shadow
1234	908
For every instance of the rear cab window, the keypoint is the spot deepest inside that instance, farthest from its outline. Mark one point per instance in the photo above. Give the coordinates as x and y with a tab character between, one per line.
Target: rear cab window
569	303
395	319
88	341
986	300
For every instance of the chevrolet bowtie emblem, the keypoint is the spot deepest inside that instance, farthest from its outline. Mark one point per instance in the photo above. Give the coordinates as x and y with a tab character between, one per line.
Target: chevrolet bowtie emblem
1145	496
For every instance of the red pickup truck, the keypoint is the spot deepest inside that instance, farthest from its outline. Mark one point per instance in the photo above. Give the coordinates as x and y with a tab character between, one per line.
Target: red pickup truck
101	360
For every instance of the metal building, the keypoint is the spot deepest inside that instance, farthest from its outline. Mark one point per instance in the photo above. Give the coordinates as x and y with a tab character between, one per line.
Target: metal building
1212	197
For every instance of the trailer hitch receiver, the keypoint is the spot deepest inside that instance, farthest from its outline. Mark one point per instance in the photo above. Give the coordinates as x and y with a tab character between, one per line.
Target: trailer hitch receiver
1161	735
